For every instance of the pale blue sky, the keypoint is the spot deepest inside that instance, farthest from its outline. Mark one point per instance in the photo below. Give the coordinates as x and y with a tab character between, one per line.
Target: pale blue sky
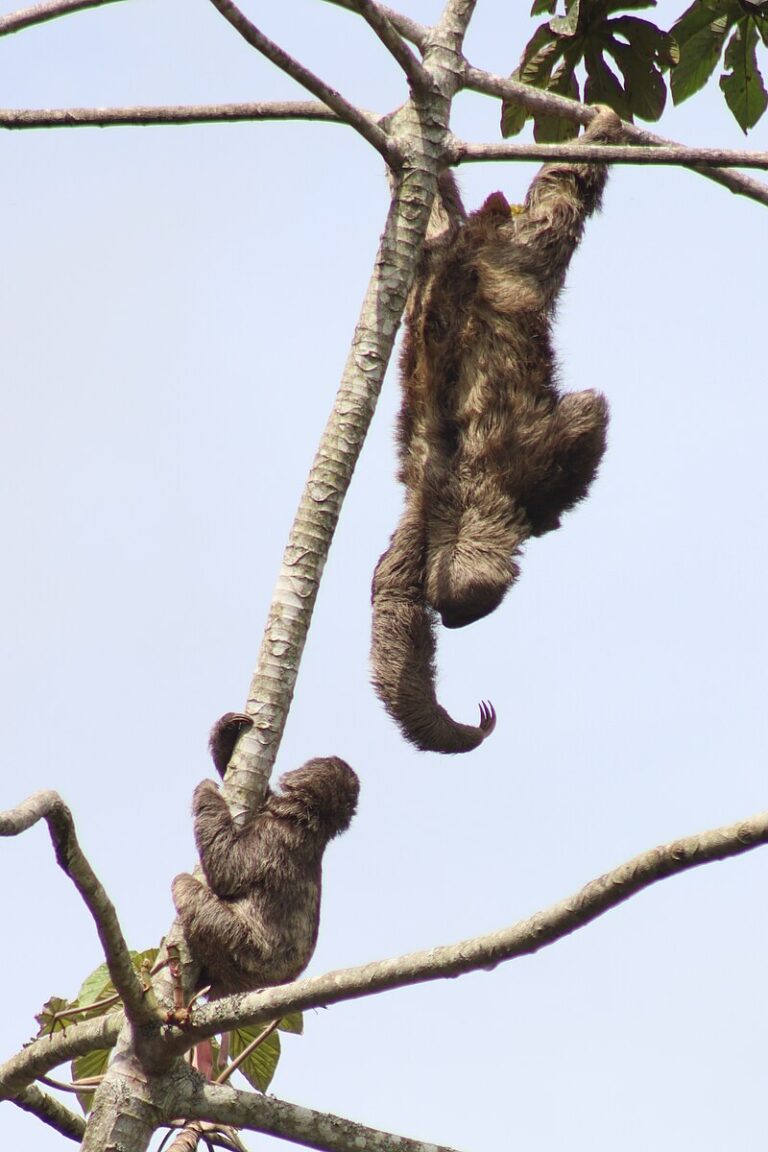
177	306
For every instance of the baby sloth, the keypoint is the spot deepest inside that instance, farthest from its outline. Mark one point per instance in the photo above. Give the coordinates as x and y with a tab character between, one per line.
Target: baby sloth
255	923
491	453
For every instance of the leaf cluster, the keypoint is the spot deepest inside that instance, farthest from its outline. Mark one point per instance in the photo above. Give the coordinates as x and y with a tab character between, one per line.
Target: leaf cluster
710	29
625	60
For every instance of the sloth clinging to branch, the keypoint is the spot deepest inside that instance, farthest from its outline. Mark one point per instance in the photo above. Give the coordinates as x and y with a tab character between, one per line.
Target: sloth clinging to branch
490	451
254	924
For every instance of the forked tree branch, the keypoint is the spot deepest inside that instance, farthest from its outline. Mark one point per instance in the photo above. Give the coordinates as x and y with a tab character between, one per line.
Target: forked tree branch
360	121
40	13
50	807
410	29
52	1112
305	1126
374	15
485	952
170	114
536	100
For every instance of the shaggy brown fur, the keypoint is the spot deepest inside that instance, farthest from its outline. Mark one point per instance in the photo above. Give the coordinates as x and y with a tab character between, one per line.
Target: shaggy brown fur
490	451
255	924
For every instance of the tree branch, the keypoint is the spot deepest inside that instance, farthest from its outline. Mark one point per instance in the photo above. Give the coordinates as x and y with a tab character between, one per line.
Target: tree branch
418	77
51	1112
455	20
47	1052
170	114
360	121
463	152
272	685
50	807
40	13
410	29
226	1105
485	952
535	100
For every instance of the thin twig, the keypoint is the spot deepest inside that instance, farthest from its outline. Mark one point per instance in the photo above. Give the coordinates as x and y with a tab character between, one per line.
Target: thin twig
246	1052
536	100
410	29
50	807
374	15
485	952
462	152
90	1084
169	114
52	1112
40	13
81	1009
360	121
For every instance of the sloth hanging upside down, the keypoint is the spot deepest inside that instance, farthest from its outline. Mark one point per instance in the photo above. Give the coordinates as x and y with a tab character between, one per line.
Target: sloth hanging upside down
491	452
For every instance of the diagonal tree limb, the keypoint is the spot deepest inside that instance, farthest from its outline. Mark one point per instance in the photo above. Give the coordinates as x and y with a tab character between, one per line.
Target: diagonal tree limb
536	100
47	1052
360	121
304	1126
374	15
461	152
51	1112
169	114
40	13
50	807
409	29
486	952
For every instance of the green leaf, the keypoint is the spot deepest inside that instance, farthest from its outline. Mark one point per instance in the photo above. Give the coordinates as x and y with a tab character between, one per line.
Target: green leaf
513	117
293	1022
46	1016
761	23
622	5
644	85
537	69
555	129
568	24
541	7
95	987
99	986
699	55
743	86
259	1067
700	14
645	39
91	1064
603	87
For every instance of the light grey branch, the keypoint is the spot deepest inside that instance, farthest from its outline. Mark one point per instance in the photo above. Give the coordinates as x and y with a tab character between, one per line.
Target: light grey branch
290	614
357	119
171	114
374	15
536	100
41	1055
40	13
410	29
51	1112
462	152
305	1126
50	807
485	952
455	20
